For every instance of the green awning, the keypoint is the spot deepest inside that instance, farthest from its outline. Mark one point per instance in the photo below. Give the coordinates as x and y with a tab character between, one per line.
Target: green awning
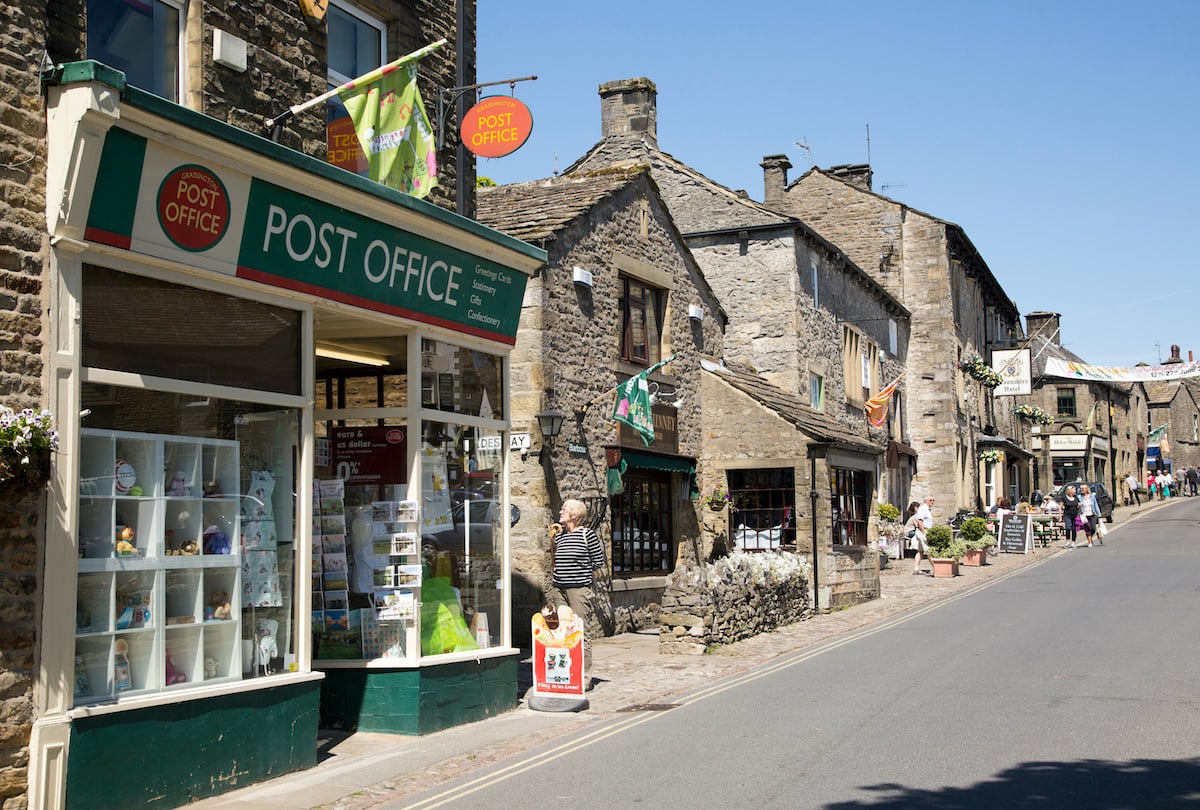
649	462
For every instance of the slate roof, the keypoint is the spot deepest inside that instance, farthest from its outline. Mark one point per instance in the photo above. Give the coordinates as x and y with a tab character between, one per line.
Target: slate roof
811	422
700	205
715	207
537	210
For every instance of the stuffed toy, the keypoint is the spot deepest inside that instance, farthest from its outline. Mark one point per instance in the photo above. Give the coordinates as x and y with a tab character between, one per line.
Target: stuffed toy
216	541
219	605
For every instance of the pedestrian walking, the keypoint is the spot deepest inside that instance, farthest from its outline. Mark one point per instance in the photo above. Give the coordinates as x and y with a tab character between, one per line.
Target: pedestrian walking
914	530
1134	487
1151	485
1089	511
1070	515
1193	480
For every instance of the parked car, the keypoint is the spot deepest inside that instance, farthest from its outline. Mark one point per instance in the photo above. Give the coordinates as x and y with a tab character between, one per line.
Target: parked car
471	530
1103	497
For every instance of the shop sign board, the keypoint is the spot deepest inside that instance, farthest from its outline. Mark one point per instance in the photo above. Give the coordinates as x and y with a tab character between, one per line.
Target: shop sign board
558	656
1015	368
1067	441
496	126
161	202
1016	534
374	455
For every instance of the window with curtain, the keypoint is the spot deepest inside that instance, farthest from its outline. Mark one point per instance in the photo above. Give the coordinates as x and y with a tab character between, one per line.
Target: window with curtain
642	321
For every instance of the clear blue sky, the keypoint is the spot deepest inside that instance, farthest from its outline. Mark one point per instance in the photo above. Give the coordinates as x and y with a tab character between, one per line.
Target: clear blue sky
1061	136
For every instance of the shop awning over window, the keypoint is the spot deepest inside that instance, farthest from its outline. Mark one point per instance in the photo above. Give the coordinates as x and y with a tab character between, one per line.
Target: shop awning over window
648	462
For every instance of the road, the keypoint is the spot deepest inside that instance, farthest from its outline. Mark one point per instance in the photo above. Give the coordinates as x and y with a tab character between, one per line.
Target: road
1070	683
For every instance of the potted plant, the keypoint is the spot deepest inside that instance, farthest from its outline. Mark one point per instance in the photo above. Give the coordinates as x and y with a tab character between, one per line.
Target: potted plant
27	438
890	533
944	550
977	541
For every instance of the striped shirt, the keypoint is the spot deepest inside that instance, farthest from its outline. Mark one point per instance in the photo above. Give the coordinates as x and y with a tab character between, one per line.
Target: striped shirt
577	554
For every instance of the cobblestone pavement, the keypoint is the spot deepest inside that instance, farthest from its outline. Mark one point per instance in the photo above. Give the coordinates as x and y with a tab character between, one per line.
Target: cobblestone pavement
361	771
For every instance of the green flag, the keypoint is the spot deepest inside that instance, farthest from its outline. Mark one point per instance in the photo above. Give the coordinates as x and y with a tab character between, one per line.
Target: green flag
633	403
1157	433
392	127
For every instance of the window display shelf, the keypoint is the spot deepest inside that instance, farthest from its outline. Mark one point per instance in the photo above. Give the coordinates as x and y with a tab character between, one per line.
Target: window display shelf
160	565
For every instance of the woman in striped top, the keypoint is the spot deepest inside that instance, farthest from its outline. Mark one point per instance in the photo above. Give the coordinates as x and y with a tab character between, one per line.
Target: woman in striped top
578	562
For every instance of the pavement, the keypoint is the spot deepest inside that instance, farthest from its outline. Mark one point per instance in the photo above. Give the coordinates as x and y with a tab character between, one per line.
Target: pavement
364	770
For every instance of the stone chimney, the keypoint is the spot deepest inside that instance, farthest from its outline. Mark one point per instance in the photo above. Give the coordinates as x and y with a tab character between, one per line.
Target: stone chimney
1044	325
857	174
775	170
629	107
1174	358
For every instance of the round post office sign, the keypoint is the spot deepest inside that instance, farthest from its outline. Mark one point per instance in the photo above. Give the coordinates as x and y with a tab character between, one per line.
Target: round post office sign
496	126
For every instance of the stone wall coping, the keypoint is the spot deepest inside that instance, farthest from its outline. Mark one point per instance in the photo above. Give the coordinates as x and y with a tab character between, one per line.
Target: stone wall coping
639	584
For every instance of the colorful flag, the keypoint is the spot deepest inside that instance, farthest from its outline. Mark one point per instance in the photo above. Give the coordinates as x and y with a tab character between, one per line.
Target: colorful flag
633	403
391	124
877	406
1157	433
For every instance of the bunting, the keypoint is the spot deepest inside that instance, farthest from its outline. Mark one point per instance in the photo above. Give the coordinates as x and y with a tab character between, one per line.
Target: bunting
877	406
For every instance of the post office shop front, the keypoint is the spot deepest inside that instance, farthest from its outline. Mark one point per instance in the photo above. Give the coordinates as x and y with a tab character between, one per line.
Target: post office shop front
279	501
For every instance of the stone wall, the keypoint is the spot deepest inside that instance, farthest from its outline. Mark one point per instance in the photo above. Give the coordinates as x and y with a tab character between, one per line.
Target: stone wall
731	599
23	251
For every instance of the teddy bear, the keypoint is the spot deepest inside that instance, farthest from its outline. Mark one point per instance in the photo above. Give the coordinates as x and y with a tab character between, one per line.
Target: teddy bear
219	606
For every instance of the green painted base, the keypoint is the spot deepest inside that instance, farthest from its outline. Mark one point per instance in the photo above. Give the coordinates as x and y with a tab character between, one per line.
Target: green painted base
418	701
168	756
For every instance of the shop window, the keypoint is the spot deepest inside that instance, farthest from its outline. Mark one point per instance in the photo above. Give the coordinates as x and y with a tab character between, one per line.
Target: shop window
1066	402
642	319
187	533
764	509
144	40
642	536
851	505
357	44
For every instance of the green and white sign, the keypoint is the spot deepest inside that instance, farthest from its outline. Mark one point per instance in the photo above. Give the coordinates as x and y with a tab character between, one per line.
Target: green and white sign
161	202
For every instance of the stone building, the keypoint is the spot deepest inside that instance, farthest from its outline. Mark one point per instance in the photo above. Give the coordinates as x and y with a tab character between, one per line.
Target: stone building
620	292
801	314
959	314
247	349
1095	433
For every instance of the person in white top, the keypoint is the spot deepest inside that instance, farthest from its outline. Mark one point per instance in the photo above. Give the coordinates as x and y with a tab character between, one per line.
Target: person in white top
1134	488
1089	510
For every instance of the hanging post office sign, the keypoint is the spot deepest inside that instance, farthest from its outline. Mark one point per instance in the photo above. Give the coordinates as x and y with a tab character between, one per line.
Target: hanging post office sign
496	126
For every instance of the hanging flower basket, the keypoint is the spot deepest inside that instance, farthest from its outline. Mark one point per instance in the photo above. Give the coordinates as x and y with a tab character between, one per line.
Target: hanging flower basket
23	475
1033	413
716	498
976	369
27	439
991	456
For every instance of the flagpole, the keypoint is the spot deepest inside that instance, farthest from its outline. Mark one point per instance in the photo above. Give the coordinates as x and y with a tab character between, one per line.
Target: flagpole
602	395
375	75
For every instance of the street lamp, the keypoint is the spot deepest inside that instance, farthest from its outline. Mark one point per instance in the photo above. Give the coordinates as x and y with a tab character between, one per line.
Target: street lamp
550	425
